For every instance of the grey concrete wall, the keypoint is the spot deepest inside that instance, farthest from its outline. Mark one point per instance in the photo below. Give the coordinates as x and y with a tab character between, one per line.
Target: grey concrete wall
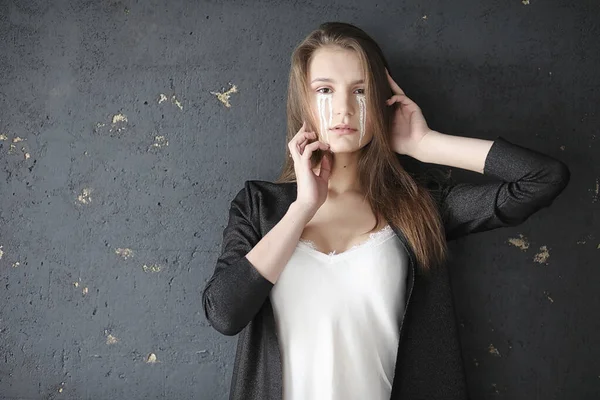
118	162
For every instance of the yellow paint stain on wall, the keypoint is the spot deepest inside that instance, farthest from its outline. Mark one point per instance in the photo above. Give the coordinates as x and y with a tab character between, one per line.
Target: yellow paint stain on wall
76	284
526	2
124	252
520	242
493	350
84	197
542	256
224	97
110	339
152	268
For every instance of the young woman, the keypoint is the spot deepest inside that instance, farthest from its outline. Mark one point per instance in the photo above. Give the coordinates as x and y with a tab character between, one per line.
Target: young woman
333	275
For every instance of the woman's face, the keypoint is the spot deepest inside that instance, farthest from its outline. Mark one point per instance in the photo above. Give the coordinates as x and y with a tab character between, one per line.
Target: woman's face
337	96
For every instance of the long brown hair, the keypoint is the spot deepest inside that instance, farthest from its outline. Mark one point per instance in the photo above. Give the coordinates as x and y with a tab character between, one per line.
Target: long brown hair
391	191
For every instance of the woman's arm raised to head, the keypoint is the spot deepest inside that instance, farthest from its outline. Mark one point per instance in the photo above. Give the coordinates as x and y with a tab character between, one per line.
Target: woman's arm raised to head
249	265
528	181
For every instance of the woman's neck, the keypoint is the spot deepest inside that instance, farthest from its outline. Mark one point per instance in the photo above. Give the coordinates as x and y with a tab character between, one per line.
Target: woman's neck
344	173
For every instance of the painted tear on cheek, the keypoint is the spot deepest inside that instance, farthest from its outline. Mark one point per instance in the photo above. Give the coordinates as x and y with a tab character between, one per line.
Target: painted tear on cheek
324	102
362	105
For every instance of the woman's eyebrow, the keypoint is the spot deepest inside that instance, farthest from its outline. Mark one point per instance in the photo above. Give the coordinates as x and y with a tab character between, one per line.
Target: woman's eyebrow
329	80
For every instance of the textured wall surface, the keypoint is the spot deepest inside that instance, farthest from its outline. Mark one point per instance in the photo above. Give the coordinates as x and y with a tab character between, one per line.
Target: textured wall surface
119	156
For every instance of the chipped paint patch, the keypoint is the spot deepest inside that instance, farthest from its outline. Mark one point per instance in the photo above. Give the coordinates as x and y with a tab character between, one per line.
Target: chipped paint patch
84	197
159	142
547	294
17	139
85	290
110	339
124	252
16	264
76	284
151	359
562	148
119	118
520	242
3	137
526	2
542	256
224	97
176	102
162	97
152	268
2	253
493	350
596	191
118	123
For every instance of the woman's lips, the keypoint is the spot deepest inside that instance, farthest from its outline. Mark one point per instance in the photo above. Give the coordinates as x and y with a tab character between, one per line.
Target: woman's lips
344	131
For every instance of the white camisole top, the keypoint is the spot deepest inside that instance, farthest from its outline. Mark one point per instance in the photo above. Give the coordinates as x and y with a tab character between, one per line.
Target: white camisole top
338	319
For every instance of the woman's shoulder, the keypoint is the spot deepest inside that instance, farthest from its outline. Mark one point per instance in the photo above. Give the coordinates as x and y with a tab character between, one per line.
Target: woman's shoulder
268	193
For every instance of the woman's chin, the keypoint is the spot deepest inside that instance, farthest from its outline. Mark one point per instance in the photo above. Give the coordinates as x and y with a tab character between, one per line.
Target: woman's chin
345	146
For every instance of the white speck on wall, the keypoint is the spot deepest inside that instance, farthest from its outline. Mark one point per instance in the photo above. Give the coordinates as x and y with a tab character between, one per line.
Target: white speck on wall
124	252
84	197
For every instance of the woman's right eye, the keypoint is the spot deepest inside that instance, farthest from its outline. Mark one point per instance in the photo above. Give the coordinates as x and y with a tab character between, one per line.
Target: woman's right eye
319	90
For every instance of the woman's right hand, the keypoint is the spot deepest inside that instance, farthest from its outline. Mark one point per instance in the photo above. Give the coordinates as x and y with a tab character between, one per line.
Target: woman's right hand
312	187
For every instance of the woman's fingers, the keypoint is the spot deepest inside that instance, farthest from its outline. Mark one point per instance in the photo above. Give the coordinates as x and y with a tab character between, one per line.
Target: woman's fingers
296	145
325	169
308	150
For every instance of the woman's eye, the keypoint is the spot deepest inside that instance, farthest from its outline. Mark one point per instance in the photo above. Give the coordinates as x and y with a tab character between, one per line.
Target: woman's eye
319	90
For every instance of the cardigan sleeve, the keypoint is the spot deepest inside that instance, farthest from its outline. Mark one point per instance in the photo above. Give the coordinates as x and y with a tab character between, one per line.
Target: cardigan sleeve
528	181
236	290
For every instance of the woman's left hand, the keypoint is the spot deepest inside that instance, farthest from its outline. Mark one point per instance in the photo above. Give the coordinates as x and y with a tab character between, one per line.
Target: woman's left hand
408	124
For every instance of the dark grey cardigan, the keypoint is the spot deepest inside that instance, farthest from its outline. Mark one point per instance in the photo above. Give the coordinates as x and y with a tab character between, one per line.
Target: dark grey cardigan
429	363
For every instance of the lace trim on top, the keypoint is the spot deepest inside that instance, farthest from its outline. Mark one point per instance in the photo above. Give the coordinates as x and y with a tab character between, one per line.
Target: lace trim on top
374	238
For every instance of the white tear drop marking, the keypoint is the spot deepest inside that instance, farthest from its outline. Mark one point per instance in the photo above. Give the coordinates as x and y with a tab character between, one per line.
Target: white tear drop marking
324	98
361	98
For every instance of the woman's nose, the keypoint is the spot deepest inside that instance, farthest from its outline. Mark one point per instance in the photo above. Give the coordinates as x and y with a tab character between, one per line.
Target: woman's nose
345	104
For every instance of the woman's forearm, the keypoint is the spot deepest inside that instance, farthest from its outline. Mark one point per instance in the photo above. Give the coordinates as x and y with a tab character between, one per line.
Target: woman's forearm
273	251
454	151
